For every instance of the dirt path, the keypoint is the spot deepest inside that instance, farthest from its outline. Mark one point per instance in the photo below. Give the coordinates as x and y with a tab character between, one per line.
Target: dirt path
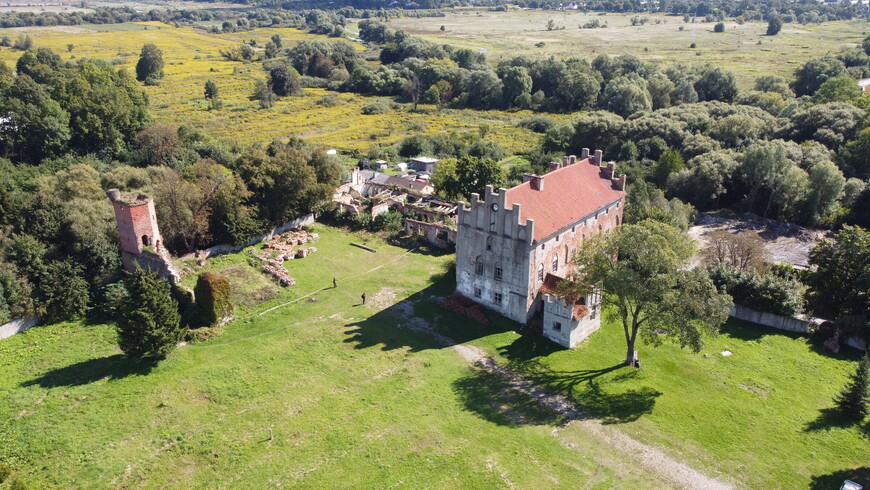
652	458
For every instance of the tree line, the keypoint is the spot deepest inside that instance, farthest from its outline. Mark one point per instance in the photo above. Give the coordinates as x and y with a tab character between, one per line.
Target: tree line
69	131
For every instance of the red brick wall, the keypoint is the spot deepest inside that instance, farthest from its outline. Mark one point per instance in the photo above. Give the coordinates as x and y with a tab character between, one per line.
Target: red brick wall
134	222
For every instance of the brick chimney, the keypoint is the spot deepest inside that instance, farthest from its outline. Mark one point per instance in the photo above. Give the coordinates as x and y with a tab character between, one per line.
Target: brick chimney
535	181
599	155
609	170
553	166
620	182
584	153
572	159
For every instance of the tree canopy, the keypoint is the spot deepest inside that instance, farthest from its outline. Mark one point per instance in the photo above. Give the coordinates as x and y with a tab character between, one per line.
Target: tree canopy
642	271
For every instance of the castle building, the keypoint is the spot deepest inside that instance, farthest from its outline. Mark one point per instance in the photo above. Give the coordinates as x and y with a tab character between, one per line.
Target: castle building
141	243
514	245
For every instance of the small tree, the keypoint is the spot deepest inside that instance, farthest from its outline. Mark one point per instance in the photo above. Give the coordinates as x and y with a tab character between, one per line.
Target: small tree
263	94
866	45
551	25
852	401
150	63
774	26
213	297
212	95
149	324
720	27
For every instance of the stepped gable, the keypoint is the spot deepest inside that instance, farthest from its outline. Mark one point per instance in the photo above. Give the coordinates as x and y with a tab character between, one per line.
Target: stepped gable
564	196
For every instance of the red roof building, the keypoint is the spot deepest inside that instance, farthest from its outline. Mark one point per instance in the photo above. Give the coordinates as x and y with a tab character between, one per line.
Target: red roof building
509	241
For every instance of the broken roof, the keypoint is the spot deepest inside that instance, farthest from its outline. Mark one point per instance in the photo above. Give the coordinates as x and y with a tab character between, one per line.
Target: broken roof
549	287
568	195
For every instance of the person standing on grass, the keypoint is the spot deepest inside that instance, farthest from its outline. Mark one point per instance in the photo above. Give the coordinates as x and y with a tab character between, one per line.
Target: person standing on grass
363	298
334	284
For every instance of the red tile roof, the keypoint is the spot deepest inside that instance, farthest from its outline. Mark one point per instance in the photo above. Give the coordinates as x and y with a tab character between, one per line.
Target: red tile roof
569	194
549	287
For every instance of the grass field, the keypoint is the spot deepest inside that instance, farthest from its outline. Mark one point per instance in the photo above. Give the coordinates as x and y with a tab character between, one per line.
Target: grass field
742	49
192	57
356	398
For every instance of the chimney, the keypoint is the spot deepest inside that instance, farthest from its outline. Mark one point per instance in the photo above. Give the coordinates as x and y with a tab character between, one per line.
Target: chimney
565	160
114	194
572	159
620	183
598	156
584	153
609	170
536	181
553	166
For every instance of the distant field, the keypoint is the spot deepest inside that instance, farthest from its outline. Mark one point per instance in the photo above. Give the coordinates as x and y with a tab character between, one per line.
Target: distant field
193	56
504	34
66	6
356	397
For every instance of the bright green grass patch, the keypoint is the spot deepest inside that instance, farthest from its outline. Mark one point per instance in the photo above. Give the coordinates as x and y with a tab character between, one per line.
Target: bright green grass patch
354	397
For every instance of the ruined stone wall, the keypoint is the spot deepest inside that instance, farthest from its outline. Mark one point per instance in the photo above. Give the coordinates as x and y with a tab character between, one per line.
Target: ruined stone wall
569	332
435	233
137	226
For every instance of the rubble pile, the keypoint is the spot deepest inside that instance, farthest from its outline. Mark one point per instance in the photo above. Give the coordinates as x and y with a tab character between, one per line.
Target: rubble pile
465	307
280	249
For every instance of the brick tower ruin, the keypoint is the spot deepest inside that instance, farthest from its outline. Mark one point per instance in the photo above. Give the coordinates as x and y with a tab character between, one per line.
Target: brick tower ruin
141	243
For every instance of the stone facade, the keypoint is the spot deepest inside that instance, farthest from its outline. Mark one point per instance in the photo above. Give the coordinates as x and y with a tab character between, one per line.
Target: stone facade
437	234
567	323
508	241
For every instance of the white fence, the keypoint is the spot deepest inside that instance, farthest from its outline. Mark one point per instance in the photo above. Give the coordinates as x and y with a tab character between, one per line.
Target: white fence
228	249
16	326
792	324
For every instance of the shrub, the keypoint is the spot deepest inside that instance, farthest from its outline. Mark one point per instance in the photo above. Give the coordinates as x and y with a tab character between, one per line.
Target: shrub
330	100
538	124
762	292
720	27
391	222
213	295
380	106
204	333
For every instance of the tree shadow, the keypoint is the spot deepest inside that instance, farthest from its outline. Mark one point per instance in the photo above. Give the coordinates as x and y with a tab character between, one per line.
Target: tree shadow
418	323
113	367
829	418
833	480
491	397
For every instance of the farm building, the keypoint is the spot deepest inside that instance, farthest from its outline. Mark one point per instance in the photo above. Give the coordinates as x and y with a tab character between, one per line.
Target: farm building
510	242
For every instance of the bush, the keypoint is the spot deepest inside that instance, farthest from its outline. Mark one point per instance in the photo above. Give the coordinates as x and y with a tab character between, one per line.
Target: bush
720	27
204	333
761	292
538	124
380	106
391	222
330	100
213	295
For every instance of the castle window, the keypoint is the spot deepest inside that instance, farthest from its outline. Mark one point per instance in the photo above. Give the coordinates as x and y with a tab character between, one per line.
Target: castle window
555	263
497	274
488	243
478	268
557	326
477	292
145	240
541	272
497	298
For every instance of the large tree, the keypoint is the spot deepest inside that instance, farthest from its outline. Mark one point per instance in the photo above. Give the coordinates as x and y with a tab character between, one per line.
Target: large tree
853	400
839	277
148	323
643	272
150	64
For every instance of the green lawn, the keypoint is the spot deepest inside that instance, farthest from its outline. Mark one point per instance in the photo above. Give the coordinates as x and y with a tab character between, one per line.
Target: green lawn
356	398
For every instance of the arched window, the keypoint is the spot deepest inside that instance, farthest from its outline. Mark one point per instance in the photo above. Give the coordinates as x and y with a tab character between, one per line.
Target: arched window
488	243
555	263
541	272
567	257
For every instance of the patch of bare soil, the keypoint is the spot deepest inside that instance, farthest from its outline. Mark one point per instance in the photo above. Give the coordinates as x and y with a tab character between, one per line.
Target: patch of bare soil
384	298
785	242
